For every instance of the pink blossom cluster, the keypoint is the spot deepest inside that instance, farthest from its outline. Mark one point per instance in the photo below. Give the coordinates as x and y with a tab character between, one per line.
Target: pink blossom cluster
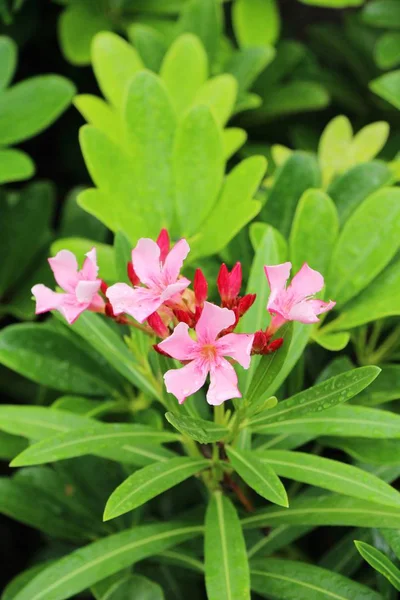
193	330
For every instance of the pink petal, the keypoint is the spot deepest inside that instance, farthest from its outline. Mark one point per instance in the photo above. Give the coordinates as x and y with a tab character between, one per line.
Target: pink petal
236	345
186	381
175	288
305	283
319	306
97	304
46	299
140	303
90	268
65	268
303	312
213	320
146	262
85	290
277	276
180	345
223	383
71	309
174	261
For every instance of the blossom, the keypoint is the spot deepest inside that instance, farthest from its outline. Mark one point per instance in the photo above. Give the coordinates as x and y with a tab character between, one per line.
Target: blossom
294	302
206	355
80	287
158	269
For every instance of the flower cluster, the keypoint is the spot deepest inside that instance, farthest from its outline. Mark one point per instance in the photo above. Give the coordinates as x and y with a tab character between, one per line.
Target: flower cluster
193	330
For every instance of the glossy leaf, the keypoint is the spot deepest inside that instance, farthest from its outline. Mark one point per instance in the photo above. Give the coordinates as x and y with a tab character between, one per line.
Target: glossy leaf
219	93
256	22
203	18
104	117
15	166
150	44
77	26
369	141
204	432
380	562
335	147
380	452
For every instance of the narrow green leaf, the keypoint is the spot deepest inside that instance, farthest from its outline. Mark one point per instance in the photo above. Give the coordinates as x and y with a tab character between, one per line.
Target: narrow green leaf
129	586
226	565
319	398
380	562
380	452
15	165
21	580
277	538
388	87
204	432
150	482
256	22
258	476
11	445
39	422
83	406
8	60
331	475
392	537
287	579
84	567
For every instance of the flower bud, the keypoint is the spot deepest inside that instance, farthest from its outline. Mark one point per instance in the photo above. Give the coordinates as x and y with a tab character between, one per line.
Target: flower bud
163	243
200	287
158	325
133	278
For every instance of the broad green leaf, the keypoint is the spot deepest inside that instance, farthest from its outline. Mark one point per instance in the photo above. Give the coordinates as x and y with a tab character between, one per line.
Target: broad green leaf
136	443
368	241
203	18
335	146
369	141
8	60
380	299
76	222
226	564
331	475
39	422
247	63
21	580
319	398
331	341
186	58
382	13
332	509
256	22
388	87
80	246
291	98
204	432
314	231
114	64
219	93
100	114
15	165
32	105
150	128
380	452
387	50
149	482
234	208
94	330
198	165
342	421
267	370
288	580
258	475
150	44
77	26
97	204
351	188
233	139
299	173
85	566
380	562
50	358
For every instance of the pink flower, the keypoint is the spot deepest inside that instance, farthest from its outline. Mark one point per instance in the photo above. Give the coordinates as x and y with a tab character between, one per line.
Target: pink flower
80	287
158	270
206	355
294	303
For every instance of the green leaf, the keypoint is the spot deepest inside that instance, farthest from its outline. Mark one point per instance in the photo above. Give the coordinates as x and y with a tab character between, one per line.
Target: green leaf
388	87
226	565
258	476
77	26
204	432
368	241
50	358
381	452
256	22
384	389
387	50
335	146
380	562
291	98
133	586
150	44
136	443
32	105
351	188
332	509
299	173
198	163
382	13
100	114
331	475
204	19
331	341
11	445
18	582
319	398
15	165
314	231
186	56
150	482
333	3
219	93
151	126
393	539
38	422
247	63
234	208
287	579
84	567
83	406
233	139
114	64
369	141
8	60
76	222
80	246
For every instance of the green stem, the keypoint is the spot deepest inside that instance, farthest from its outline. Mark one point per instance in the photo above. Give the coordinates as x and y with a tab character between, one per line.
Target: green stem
219	412
386	347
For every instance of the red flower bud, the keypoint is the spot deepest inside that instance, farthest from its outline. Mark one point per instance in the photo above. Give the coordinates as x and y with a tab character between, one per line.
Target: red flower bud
103	286
200	286
245	303
133	278
259	342
109	310
158	325
274	346
184	316
160	351
223	282
164	243
229	284
235	280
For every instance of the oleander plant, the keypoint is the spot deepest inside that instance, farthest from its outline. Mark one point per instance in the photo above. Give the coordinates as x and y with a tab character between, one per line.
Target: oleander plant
200	299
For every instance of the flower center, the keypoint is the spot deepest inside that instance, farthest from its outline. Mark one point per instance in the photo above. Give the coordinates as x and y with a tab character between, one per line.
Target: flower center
209	352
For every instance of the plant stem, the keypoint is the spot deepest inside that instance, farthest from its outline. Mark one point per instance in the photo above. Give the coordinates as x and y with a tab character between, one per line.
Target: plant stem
386	347
219	412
